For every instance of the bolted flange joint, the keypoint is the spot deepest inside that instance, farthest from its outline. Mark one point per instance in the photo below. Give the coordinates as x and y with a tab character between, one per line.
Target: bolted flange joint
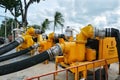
20	40
54	51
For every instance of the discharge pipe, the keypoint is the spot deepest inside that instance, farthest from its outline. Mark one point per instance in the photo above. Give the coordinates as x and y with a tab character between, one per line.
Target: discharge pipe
16	54
11	45
20	65
115	33
111	32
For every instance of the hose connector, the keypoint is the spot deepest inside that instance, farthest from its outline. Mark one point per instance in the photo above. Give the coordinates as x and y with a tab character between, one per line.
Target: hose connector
20	40
35	46
54	51
56	36
37	31
99	32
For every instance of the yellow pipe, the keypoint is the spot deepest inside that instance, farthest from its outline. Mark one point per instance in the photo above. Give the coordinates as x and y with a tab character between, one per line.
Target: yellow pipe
28	38
27	42
30	31
86	32
46	44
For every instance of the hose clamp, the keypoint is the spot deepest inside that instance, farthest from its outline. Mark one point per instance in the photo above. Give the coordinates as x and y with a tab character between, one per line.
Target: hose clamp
56	36
20	40
54	51
35	46
37	31
99	32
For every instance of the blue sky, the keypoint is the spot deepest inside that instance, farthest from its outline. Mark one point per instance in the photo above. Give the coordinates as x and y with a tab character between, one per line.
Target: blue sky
77	13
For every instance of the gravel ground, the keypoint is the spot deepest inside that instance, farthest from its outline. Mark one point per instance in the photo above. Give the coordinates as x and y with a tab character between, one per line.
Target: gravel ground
45	68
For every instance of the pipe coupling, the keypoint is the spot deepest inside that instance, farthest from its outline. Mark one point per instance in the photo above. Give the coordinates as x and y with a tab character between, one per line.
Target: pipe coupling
35	46
37	31
54	51
99	32
56	36
20	40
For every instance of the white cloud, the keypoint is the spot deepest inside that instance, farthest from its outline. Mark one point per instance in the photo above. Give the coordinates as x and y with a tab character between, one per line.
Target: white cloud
77	12
100	21
112	18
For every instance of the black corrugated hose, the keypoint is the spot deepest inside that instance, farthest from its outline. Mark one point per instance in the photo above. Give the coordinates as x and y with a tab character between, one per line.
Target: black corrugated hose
20	65
115	33
16	54
8	47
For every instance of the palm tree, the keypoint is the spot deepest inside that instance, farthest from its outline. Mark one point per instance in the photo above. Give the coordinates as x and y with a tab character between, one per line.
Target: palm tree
45	24
58	19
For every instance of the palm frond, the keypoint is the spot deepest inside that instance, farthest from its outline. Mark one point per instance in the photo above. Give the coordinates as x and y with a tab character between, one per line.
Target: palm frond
58	20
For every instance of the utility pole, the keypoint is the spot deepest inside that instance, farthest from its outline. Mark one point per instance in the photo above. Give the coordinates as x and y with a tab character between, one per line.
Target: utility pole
5	25
12	31
5	28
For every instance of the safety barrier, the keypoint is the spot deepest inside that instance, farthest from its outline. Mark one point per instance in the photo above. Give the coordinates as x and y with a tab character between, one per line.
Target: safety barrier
83	67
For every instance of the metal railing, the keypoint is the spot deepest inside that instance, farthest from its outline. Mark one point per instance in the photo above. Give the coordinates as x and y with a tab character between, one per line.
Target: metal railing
83	67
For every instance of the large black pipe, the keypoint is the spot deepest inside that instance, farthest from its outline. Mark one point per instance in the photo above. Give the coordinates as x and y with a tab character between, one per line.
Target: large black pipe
11	45
16	54
8	47
115	33
20	65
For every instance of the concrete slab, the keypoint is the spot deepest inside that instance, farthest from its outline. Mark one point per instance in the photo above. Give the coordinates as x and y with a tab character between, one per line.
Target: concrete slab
45	68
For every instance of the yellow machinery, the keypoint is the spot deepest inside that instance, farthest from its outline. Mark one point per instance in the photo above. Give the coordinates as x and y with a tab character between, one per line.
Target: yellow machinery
76	53
46	44
33	35
50	42
72	50
29	37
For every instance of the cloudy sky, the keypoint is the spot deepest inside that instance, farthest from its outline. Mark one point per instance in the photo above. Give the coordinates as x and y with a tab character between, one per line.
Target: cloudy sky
77	13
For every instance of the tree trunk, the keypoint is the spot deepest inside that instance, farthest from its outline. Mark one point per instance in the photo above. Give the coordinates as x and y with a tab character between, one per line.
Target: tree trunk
24	21
24	18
